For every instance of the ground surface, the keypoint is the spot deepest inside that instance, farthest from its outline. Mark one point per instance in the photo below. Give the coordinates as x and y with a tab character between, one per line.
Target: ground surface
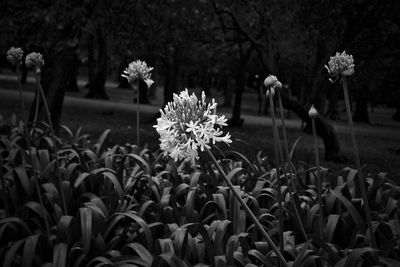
379	143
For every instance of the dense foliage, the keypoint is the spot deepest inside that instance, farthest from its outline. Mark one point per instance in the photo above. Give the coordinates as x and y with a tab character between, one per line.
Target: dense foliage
130	206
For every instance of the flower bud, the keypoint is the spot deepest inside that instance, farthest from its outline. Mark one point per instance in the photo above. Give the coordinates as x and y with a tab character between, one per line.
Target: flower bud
278	85
270	81
312	113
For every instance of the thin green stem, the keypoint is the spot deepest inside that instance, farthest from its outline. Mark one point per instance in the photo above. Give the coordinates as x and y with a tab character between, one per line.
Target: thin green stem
278	178
137	114
247	209
296	211
30	156
358	163
289	165
36	115
52	136
319	180
283	127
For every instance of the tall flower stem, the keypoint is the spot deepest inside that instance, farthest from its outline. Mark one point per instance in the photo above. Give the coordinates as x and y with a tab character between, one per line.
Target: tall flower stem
358	163
52	135
247	209
289	165
278	179
36	114
319	180
283	126
137	113
30	156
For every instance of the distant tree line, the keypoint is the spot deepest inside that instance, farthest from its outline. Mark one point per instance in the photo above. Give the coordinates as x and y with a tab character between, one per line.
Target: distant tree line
216	43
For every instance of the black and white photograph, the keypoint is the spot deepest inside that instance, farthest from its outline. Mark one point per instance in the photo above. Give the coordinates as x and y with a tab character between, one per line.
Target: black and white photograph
195	133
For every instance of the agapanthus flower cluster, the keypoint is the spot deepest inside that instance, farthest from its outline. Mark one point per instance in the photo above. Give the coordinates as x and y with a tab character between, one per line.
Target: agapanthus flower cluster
138	70
34	60
340	64
14	55
188	124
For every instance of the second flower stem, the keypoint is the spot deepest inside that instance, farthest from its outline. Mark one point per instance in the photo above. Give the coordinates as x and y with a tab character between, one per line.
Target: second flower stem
288	165
319	180
52	135
137	113
278	178
367	210
30	151
247	209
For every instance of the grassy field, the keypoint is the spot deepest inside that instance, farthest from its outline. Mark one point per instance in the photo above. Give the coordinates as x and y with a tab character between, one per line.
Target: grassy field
378	152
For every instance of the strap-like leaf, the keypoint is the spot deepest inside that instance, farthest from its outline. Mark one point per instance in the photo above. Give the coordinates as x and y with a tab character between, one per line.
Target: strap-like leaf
29	250
171	259
24	179
141	251
60	255
351	209
86	227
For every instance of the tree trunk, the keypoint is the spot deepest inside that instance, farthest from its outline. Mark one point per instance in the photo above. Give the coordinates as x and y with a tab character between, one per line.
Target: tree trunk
361	111
333	112
324	129
223	85
72	84
98	66
56	73
240	82
172	73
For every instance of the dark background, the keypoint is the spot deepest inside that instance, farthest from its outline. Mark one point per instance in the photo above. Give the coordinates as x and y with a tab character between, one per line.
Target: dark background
225	48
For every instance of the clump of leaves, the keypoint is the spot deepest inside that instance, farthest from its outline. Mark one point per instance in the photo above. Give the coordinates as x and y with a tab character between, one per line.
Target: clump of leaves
130	206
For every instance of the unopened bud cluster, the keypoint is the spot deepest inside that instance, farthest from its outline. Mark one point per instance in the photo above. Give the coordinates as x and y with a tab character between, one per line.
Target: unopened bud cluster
272	83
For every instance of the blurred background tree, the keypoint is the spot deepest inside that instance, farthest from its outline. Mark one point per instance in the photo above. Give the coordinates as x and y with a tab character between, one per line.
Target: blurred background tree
220	44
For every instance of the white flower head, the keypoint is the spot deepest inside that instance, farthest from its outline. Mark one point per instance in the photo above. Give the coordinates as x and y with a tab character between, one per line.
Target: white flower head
138	70
270	81
188	124
34	60
340	64
15	55
313	113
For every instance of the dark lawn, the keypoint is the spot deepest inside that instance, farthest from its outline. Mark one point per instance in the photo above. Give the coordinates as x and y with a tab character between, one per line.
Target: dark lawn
377	152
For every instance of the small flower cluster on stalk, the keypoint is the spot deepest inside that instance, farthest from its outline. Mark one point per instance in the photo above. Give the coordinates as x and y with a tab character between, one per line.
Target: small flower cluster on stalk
34	60
340	64
138	70
272	83
187	124
15	55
